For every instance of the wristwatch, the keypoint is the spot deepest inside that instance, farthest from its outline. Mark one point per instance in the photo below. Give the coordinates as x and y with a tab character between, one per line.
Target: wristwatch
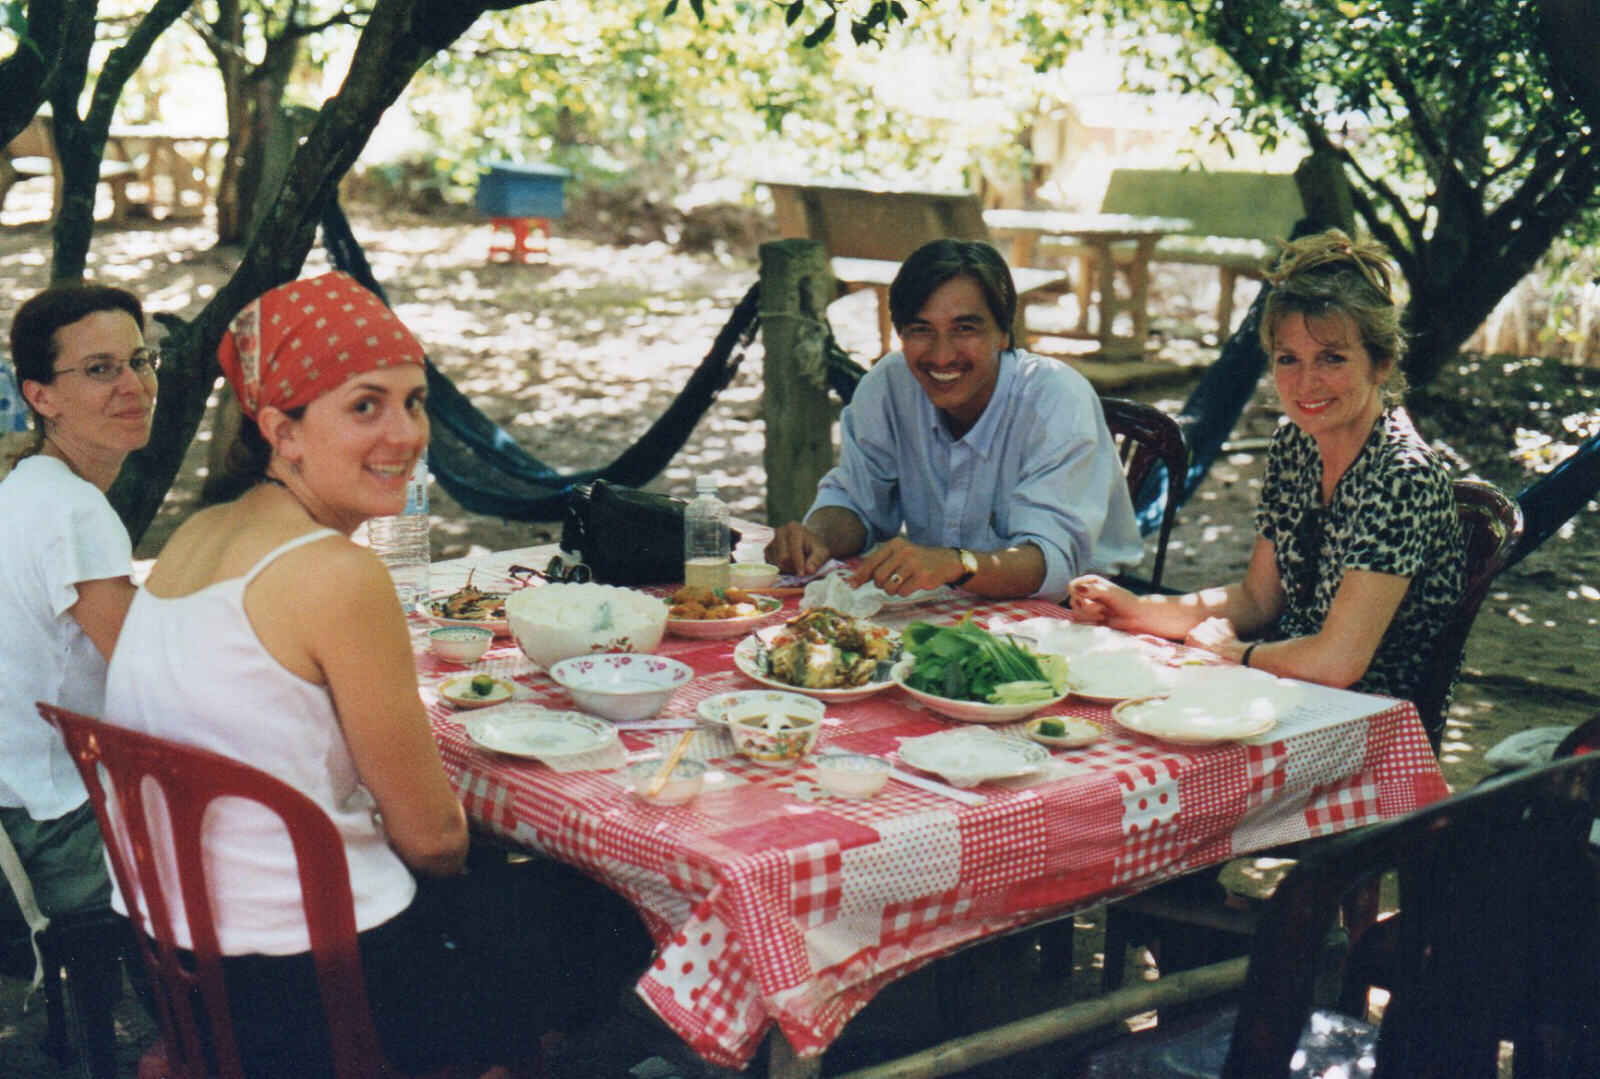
969	566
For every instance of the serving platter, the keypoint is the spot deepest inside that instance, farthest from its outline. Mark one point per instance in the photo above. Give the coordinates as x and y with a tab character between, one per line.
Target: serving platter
524	730
968	711
500	626
719	628
746	658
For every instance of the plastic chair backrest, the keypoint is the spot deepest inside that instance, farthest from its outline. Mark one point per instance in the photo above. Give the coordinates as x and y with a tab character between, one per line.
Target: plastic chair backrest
1145	435
1491	525
1498	936
119	767
1584	738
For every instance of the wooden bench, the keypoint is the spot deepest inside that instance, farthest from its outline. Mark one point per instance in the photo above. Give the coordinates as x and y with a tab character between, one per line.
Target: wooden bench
1238	217
32	155
868	234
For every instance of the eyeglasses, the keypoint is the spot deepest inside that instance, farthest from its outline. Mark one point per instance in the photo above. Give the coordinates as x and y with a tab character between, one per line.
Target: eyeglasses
144	362
557	571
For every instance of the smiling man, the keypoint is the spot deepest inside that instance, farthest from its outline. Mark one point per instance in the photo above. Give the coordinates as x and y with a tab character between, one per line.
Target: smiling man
995	462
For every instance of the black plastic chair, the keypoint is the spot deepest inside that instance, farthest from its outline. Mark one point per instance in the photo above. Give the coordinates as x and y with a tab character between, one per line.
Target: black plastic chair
1497	940
79	960
1145	436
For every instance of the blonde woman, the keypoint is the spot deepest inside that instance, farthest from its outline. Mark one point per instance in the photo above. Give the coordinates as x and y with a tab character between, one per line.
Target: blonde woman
1358	556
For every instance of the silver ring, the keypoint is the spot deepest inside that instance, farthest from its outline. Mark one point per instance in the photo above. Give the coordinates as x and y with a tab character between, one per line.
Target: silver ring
894	578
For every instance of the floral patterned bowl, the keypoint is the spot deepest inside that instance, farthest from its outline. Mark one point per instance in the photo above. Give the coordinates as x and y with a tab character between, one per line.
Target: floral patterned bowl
621	686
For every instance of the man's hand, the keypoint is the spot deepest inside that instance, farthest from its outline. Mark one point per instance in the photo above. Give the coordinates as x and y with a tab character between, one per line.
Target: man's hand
796	549
900	567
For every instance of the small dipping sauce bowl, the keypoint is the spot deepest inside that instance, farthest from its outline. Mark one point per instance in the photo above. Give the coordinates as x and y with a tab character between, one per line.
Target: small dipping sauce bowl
772	734
752	575
852	775
683	784
460	644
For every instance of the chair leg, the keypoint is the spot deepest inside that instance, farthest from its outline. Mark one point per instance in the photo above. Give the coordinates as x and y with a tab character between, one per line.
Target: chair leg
89	947
1116	952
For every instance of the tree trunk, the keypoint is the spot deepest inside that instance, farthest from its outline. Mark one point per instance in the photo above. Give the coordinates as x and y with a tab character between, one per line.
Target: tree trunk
400	36
81	143
796	286
23	73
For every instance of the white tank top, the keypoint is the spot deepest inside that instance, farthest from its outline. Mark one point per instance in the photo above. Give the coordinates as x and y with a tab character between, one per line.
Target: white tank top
191	669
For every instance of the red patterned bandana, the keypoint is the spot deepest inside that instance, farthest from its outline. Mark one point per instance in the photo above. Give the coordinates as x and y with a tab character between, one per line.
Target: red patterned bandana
296	342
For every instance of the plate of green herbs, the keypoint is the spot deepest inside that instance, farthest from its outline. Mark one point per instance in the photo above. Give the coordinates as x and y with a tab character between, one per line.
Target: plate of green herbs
966	673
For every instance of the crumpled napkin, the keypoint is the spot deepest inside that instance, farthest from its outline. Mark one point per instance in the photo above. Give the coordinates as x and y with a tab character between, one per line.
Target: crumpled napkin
834	591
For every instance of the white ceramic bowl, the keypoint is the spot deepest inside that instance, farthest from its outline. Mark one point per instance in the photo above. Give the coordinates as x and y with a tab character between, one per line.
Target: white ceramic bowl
684	783
714	709
460	644
621	687
558	621
852	775
752	575
769	733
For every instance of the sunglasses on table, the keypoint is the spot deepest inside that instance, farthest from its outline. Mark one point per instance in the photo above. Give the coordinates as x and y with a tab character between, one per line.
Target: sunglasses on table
558	570
144	362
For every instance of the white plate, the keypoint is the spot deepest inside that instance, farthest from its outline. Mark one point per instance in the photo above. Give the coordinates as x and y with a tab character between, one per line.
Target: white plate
967	756
1079	732
714	709
1157	682
523	730
1155	718
500	626
716	628
458	691
969	711
744	658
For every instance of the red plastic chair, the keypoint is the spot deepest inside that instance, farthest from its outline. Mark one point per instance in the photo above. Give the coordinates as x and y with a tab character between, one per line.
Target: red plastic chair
117	765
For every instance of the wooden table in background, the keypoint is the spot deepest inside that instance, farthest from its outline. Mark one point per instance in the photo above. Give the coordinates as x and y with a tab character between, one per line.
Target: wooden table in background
1096	234
175	167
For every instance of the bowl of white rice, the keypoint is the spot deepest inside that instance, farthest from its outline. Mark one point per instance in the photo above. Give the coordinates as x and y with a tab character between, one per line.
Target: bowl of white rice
559	621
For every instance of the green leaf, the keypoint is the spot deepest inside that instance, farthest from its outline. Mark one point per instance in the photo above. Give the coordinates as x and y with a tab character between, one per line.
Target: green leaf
699	9
823	31
793	12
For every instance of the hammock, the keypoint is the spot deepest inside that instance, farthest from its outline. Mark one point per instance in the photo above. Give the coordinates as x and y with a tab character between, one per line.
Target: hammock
1557	496
487	471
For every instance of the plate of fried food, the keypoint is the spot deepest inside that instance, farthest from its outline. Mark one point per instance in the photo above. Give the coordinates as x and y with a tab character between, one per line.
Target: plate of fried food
467	606
823	653
707	613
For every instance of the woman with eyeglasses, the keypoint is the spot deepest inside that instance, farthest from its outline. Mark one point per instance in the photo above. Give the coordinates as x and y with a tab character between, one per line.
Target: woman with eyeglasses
265	634
1358	558
65	576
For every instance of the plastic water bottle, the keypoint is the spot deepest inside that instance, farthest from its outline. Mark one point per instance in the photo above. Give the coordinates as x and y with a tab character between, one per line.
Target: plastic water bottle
706	548
402	541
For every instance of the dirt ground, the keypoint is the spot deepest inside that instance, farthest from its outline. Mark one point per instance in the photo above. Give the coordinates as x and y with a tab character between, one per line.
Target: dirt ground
577	354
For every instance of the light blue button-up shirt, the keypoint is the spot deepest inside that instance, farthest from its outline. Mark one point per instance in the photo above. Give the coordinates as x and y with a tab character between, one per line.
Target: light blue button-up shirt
1038	467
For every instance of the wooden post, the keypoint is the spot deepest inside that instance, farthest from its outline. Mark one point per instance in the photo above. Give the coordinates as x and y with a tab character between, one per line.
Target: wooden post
796	287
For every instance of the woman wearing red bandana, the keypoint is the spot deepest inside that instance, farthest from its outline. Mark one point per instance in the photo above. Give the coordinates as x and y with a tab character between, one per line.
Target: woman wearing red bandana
265	634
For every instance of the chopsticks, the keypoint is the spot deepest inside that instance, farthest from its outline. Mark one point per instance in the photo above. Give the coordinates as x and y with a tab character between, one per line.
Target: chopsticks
933	786
659	780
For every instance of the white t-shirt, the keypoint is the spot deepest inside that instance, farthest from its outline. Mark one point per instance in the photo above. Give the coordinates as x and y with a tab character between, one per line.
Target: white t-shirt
191	669
56	530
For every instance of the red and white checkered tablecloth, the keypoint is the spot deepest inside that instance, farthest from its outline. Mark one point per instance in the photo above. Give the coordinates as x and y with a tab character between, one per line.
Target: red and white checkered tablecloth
771	902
